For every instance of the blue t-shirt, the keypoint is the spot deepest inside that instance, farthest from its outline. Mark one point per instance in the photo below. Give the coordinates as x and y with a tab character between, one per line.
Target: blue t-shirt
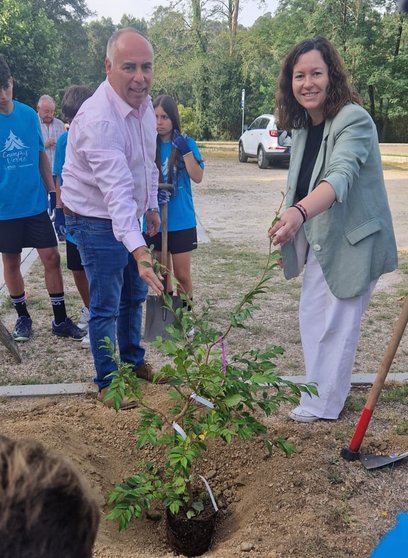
22	191
59	160
181	213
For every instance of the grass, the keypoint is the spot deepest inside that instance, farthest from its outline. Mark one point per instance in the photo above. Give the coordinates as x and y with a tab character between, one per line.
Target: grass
381	299
335	478
355	403
398	393
404	267
402	428
221	154
6	303
233	154
388	165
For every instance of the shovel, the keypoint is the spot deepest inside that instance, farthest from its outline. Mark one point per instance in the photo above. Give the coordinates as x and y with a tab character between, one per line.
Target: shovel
158	316
371	461
9	342
352	452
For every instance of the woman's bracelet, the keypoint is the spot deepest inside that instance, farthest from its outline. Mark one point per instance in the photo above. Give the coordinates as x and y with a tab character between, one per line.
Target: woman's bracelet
302	210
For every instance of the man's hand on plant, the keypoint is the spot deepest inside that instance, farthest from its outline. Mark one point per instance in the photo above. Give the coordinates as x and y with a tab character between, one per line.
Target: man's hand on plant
146	271
180	143
163	197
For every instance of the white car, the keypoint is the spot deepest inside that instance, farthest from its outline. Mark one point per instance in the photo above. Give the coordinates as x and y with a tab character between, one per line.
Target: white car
265	141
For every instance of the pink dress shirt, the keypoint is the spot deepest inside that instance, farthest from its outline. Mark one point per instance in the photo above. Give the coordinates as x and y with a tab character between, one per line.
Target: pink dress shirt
110	169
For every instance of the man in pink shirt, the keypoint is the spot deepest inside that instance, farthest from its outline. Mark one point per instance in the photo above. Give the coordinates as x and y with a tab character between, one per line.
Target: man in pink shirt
110	181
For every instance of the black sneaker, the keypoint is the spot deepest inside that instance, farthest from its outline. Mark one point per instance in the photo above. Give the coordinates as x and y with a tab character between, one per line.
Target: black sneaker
67	328
22	331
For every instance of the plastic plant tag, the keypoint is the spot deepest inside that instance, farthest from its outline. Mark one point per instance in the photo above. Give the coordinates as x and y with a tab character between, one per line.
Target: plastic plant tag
202	400
211	495
179	430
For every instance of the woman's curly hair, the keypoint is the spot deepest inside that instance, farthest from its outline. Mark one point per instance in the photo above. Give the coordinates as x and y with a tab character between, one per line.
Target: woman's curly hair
290	114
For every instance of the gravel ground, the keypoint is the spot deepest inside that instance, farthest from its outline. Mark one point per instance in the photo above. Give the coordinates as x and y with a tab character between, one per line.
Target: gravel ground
314	505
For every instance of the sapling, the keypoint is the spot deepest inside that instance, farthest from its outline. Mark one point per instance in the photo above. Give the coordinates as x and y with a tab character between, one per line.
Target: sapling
212	396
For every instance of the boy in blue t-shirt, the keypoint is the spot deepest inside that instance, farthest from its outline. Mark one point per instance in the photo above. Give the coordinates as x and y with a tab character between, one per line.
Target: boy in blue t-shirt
71	102
24	220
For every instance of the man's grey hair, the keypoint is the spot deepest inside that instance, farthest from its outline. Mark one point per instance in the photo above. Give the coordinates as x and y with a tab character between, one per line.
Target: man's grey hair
45	98
115	36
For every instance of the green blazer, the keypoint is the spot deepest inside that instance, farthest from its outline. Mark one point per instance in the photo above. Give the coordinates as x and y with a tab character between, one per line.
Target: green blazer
353	240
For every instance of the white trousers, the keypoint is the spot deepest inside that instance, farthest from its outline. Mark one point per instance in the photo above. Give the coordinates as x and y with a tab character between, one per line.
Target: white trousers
330	331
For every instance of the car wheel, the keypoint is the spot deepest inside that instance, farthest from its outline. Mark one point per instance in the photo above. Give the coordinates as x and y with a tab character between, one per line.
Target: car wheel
261	158
242	155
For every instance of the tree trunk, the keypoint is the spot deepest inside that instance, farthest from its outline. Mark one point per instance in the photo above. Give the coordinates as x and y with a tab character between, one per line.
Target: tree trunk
200	83
399	33
233	23
372	101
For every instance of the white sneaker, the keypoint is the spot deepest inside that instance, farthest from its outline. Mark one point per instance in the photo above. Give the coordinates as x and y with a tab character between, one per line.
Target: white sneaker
85	342
84	319
300	415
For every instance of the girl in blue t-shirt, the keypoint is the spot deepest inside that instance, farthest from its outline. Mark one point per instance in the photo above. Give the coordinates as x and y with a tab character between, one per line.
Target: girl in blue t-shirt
178	160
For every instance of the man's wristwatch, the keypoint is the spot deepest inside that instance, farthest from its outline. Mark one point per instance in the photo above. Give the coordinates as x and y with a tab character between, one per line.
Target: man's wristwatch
153	210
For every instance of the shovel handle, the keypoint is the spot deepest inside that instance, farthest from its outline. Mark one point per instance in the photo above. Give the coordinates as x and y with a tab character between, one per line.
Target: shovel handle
7	340
164	225
388	357
379	381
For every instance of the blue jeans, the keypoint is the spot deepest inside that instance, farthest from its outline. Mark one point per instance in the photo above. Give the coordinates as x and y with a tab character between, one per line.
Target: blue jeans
116	294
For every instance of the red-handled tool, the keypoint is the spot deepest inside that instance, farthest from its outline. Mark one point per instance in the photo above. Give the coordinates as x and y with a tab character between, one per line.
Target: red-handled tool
352	452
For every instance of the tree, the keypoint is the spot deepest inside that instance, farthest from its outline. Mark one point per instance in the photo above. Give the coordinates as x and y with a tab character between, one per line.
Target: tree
173	63
30	43
98	33
68	17
225	84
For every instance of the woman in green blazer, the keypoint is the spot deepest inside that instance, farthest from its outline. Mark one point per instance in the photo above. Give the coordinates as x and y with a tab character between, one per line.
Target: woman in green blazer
337	222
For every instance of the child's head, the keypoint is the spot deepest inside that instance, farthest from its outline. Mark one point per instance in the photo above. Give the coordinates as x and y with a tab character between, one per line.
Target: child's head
72	100
47	508
169	106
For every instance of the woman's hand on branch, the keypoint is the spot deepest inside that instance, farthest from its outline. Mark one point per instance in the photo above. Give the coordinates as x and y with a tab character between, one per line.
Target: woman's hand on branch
286	227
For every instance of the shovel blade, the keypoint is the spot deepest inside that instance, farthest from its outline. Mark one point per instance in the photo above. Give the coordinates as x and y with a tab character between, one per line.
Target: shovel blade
377	461
158	317
7	340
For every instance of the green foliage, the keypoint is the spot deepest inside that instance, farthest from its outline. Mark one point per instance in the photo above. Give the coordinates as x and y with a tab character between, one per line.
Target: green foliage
30	43
98	33
174	63
211	397
203	60
187	118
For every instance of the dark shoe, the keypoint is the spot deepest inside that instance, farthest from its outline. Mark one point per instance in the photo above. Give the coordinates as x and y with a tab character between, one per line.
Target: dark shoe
145	372
125	405
67	328
22	331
